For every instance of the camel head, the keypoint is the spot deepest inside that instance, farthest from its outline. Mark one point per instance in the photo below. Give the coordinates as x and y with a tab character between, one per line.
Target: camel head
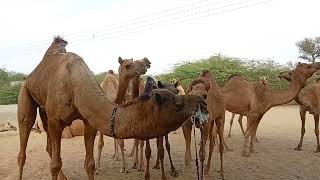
57	46
199	87
129	68
152	83
9	127
173	110
287	75
111	72
206	76
263	80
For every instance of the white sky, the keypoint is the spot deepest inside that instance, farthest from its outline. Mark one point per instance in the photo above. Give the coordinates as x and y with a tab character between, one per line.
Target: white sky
100	31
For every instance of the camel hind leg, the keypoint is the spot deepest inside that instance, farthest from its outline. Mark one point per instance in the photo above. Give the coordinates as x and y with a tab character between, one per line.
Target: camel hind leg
27	111
231	122
124	168
173	171
89	137
141	162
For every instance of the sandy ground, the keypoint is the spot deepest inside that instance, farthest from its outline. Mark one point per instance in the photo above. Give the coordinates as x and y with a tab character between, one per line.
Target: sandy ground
278	133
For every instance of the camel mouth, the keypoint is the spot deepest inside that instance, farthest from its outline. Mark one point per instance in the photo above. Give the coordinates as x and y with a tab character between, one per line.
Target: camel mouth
199	117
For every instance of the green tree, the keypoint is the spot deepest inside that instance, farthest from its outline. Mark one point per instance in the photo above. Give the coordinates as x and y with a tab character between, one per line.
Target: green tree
309	49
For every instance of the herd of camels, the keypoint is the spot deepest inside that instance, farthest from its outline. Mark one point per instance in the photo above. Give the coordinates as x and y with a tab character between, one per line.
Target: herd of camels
63	89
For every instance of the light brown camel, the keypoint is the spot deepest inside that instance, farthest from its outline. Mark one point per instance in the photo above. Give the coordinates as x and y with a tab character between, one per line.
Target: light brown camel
127	71
264	81
65	89
254	99
177	84
7	126
308	100
145	94
109	85
207	87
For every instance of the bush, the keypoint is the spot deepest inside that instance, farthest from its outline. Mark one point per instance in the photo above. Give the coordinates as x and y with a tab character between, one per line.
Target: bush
9	94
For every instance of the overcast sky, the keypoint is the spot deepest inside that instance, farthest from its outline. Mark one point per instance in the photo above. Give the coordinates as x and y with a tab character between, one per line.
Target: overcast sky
166	31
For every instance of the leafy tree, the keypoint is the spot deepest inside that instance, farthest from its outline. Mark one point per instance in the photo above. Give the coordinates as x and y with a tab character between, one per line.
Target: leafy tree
309	49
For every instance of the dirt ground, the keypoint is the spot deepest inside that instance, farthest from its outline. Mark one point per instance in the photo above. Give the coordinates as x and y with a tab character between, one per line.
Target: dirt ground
278	133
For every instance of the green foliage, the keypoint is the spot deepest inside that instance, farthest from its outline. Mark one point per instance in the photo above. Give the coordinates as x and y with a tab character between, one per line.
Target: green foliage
9	93
222	67
100	76
309	48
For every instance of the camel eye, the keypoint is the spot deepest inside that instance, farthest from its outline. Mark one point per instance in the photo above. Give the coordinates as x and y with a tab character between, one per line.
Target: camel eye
204	96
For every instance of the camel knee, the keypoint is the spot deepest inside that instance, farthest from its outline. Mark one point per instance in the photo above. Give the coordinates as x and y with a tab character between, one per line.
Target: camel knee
55	168
316	132
21	159
89	165
303	131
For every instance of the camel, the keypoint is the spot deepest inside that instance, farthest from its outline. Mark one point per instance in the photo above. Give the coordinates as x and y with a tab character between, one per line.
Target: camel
308	100
177	84
151	84
116	91
64	89
207	87
254	100
7	126
264	81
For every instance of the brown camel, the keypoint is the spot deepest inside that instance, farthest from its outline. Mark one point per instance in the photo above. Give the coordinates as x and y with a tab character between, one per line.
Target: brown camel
151	84
7	126
181	91
254	100
308	100
264	81
65	89
127	71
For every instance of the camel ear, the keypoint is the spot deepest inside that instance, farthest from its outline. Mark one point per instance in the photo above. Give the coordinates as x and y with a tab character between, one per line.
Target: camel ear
160	85
120	60
208	86
158	98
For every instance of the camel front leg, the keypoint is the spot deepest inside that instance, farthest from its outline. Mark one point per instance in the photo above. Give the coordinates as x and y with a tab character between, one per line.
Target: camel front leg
211	147
220	127
141	162
187	128
316	130
27	111
124	168
202	150
231	122
148	155
303	129
116	150
173	171
89	137
44	119
55	131
135	153
132	150
161	156
254	133
100	147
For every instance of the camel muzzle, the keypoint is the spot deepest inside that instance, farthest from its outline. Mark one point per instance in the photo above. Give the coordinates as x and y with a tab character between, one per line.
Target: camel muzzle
199	117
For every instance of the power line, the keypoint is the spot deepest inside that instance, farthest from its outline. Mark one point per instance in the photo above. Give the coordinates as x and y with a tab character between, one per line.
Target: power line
181	19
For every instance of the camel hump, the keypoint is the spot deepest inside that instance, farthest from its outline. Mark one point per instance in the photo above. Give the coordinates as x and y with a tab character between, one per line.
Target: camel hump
234	75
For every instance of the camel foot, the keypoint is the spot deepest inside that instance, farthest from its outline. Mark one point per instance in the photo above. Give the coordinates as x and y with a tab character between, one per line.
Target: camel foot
147	176
156	166
140	169
245	154
257	141
117	158
61	176
123	170
174	172
298	148
221	174
252	151
130	155
135	165
206	170
318	150
229	135
226	149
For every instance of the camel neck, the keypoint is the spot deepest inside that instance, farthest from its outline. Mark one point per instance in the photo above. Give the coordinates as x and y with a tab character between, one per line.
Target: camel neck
285	96
135	87
122	90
